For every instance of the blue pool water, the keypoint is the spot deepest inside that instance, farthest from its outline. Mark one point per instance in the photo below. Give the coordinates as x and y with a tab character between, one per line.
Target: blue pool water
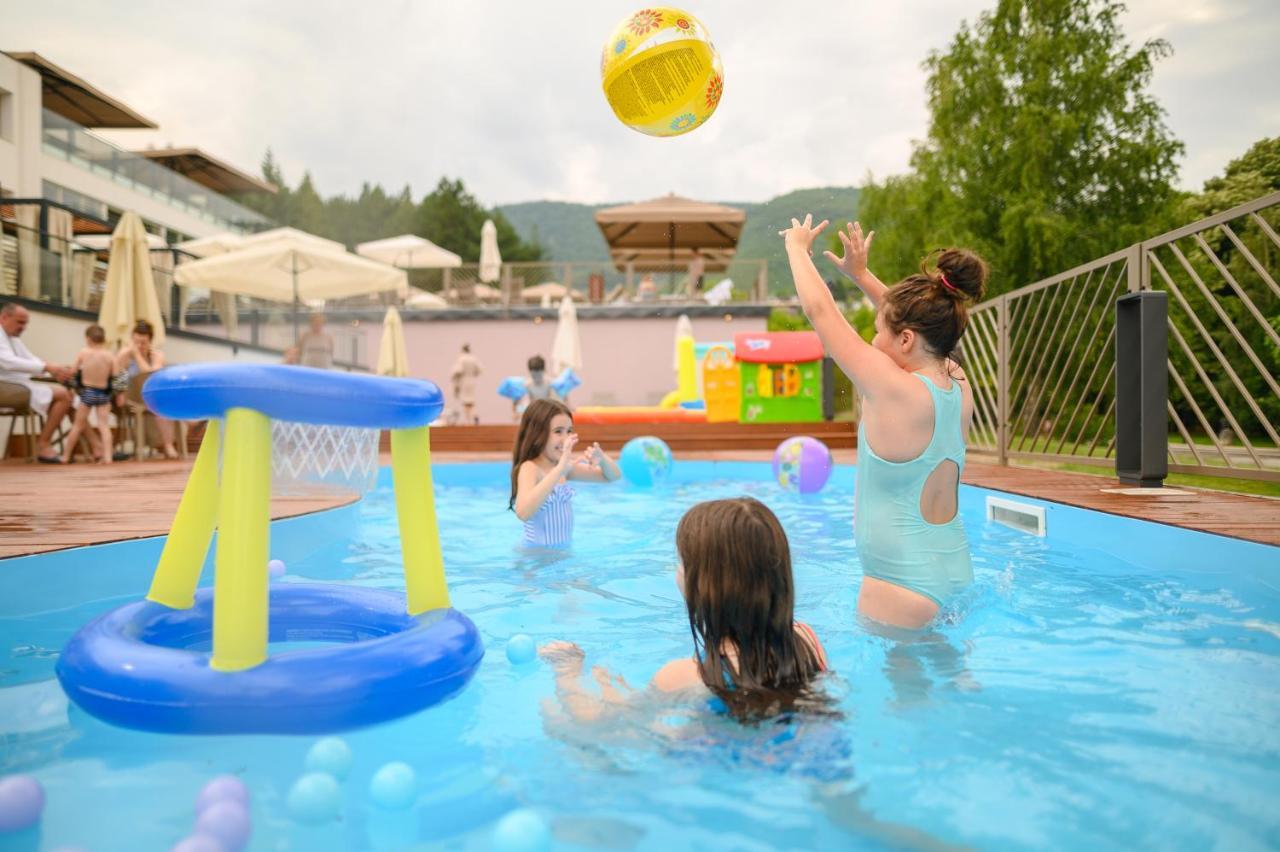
1112	685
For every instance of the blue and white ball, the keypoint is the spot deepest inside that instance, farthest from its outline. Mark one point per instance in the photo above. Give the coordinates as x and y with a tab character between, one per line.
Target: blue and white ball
646	461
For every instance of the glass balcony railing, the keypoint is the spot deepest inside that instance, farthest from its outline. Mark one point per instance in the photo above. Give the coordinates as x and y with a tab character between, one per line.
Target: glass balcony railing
69	141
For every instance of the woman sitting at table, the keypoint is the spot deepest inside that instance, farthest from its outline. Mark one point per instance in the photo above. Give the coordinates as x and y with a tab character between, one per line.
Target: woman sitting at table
141	358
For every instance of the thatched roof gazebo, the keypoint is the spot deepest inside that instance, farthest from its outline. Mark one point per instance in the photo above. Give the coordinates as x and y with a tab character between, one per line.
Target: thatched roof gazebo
669	232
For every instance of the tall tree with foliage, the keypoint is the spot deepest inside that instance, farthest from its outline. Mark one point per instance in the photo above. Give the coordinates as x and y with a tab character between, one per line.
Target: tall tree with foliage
449	216
1044	148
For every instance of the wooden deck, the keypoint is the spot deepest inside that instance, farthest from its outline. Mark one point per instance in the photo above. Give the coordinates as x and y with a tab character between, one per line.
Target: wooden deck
51	508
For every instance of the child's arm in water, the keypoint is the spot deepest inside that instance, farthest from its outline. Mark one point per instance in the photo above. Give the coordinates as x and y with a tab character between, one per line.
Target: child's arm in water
595	466
566	659
854	262
532	492
871	370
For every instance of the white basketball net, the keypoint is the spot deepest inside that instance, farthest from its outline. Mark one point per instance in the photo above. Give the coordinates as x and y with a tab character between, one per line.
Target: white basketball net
310	459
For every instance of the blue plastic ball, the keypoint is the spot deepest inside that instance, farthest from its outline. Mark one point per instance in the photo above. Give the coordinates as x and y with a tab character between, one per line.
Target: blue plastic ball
394	786
521	830
314	798
21	802
521	649
331	755
222	789
226	822
645	461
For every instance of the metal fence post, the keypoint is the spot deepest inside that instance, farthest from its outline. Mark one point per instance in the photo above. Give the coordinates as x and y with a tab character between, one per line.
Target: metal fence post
1142	388
1002	380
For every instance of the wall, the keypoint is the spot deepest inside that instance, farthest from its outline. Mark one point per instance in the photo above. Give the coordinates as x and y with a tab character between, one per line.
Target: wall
626	361
20	154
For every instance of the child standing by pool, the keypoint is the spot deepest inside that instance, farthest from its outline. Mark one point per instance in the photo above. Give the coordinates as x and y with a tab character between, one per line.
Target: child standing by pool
916	410
542	463
748	649
93	373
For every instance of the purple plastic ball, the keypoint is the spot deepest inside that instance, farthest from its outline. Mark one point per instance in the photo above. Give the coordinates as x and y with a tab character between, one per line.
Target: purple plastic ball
197	843
276	568
224	788
21	802
227	822
802	464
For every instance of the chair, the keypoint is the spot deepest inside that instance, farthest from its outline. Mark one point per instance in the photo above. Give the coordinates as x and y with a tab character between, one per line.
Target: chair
15	402
133	415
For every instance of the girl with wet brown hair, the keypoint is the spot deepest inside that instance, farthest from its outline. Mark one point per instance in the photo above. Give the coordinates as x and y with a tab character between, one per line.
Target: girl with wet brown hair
916	410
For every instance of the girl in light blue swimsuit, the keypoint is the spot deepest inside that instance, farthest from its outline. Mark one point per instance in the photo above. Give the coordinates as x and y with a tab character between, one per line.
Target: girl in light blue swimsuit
542	464
916	409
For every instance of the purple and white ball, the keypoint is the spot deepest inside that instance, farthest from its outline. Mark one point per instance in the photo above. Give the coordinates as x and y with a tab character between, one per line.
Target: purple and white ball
802	464
21	802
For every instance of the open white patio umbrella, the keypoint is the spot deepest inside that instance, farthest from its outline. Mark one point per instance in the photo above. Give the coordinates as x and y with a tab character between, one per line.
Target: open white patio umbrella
490	259
425	301
223	303
392	359
290	235
566	349
547	290
409	251
130	294
292	269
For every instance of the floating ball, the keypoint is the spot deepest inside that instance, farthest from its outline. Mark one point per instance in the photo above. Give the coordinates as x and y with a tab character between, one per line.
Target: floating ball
331	755
661	73
394	786
521	830
197	843
521	649
802	464
226	822
314	798
645	461
276	568
21	802
224	788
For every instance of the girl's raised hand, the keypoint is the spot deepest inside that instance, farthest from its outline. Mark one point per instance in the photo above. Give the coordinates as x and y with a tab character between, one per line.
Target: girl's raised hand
593	454
566	452
802	234
856	249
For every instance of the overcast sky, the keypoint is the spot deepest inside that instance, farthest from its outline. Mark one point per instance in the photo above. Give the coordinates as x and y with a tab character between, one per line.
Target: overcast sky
506	93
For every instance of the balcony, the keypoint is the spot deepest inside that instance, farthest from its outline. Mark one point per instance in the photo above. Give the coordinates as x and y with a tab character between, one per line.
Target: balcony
66	140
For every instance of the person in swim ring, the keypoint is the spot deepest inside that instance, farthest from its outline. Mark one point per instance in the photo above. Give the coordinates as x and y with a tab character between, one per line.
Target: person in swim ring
748	650
916	411
542	463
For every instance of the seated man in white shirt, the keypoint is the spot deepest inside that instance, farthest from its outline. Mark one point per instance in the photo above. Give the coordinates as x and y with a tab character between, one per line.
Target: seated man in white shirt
18	365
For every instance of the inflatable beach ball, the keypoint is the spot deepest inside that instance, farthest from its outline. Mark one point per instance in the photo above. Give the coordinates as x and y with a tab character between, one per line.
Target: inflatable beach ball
661	73
645	461
802	464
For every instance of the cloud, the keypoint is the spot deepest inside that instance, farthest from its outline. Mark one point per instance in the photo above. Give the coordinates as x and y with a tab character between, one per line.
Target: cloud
507	95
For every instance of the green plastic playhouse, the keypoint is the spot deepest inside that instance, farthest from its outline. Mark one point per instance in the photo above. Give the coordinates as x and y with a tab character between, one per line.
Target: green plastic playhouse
781	376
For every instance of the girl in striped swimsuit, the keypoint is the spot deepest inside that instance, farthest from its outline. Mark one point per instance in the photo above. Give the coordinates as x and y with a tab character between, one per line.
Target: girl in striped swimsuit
542	464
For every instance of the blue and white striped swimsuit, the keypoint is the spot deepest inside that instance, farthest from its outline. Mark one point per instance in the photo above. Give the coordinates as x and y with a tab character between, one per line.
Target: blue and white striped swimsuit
552	524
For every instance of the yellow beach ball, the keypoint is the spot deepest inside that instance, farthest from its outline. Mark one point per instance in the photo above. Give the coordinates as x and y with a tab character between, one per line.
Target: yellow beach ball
661	73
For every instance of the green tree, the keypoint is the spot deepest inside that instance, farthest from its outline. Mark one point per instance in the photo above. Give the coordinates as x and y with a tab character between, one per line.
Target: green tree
451	217
1044	149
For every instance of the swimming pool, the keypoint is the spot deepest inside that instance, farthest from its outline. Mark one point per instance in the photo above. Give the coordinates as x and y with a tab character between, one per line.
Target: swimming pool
1111	685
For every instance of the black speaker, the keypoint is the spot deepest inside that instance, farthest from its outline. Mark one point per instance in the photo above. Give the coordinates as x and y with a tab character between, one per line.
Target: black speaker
1142	388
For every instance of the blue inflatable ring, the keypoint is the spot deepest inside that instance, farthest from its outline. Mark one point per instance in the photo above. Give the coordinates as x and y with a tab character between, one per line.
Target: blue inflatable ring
300	394
146	666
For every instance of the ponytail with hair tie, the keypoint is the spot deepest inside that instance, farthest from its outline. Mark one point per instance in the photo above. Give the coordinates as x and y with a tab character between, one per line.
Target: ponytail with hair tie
942	276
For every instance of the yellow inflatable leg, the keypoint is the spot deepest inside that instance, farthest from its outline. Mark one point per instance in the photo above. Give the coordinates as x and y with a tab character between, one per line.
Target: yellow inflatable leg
244	517
416	509
178	572
687	375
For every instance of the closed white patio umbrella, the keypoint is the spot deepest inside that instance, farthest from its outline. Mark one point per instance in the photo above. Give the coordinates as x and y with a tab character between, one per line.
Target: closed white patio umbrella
392	358
490	259
130	294
566	349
